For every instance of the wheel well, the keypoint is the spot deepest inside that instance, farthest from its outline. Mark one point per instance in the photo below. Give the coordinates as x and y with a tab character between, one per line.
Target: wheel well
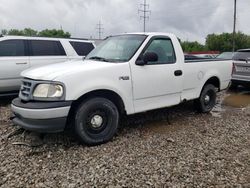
214	81
108	94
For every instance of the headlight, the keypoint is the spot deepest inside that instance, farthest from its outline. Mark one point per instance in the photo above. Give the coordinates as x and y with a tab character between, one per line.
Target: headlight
48	91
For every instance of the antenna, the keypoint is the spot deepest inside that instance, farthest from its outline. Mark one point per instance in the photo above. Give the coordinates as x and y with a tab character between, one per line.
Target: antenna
100	29
145	11
234	27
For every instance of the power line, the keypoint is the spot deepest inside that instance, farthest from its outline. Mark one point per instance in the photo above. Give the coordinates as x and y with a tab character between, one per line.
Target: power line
100	29
234	26
145	11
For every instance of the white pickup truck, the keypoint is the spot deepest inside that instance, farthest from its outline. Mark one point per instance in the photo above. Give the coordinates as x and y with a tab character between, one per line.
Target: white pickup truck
126	74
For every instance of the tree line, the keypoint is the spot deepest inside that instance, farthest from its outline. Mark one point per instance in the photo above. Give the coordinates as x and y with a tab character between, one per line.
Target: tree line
31	32
218	42
214	42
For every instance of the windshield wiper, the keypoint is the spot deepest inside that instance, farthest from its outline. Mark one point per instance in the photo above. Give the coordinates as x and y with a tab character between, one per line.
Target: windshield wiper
99	58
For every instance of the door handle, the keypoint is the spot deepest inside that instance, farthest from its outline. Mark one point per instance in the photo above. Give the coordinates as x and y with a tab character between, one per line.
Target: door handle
178	72
24	63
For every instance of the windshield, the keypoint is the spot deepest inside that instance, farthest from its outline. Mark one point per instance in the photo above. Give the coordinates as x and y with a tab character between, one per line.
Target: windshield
117	49
225	55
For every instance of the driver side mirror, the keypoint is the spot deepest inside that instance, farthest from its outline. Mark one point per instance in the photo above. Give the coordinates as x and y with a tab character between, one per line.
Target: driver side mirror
147	57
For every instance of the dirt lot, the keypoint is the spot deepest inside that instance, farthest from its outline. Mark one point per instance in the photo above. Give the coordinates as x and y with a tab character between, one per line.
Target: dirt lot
168	147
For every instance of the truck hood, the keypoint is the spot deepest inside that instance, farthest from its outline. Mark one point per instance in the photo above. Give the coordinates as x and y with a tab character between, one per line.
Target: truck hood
51	72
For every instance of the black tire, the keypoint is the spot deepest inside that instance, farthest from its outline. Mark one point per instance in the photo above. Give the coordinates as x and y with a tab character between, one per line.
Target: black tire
96	121
207	99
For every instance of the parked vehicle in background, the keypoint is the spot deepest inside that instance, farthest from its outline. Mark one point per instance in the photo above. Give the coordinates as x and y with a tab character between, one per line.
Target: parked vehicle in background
193	57
125	74
205	54
190	57
241	68
18	53
225	55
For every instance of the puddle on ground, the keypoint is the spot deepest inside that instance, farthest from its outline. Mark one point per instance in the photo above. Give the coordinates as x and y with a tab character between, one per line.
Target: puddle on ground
162	127
240	100
225	101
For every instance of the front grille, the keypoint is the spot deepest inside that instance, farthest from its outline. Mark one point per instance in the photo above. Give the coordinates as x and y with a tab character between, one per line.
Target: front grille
26	90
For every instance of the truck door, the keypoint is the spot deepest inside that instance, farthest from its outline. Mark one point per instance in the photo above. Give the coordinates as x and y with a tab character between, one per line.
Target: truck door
13	60
157	84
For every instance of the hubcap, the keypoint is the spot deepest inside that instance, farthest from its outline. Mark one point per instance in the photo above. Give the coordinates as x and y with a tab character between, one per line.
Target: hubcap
96	121
207	99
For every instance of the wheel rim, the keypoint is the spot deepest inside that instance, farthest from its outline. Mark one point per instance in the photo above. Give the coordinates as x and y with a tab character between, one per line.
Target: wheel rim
209	99
96	122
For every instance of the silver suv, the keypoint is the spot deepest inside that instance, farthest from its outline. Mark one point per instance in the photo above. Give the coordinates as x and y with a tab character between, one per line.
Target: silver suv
18	53
241	68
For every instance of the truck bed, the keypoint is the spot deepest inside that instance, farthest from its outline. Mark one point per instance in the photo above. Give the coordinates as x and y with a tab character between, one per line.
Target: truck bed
199	60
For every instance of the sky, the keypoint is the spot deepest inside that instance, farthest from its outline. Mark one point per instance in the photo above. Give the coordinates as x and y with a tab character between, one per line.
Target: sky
190	20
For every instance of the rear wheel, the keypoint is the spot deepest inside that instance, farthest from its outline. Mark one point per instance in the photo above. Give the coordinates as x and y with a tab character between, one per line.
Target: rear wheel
207	99
96	121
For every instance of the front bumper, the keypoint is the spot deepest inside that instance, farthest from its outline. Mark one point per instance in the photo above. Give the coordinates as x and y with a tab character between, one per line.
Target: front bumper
45	117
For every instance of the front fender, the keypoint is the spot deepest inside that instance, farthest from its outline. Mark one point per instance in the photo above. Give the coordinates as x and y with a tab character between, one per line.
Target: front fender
121	88
127	99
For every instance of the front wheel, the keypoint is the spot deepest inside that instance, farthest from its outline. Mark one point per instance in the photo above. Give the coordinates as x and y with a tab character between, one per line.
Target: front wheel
207	99
96	121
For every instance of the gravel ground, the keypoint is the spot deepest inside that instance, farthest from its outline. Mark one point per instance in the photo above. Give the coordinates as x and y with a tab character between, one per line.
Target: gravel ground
173	147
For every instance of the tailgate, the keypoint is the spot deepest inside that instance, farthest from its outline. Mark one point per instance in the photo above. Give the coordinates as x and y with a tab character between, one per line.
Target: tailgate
242	69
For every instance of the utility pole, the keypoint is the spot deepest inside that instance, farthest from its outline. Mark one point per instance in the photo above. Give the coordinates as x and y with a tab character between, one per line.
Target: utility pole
100	29
234	27
145	11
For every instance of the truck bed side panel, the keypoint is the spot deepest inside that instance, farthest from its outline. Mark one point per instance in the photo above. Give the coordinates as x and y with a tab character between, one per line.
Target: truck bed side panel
197	73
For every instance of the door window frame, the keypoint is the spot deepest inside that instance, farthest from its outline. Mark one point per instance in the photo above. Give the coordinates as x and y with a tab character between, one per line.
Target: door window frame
25	45
149	43
59	44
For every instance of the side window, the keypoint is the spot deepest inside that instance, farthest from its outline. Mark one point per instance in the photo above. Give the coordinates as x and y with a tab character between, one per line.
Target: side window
12	48
82	48
164	49
46	48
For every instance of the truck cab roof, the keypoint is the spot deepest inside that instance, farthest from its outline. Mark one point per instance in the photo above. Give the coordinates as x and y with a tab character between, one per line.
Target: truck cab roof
147	34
